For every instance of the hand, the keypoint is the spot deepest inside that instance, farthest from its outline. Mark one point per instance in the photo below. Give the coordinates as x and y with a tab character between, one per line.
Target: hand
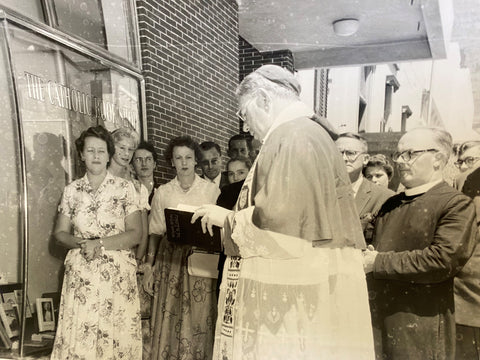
211	215
88	249
366	220
369	256
148	278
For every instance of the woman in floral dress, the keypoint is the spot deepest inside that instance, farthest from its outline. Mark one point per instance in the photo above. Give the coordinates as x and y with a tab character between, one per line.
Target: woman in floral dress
184	307
99	311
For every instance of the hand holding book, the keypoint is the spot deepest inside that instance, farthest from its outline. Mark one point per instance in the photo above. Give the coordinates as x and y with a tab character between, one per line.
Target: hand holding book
212	215
183	227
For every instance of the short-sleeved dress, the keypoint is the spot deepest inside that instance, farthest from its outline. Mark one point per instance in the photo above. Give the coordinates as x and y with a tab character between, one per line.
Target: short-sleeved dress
143	197
184	307
99	314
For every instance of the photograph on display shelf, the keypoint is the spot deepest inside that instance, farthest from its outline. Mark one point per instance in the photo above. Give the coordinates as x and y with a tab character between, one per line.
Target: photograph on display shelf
19	296
10	320
45	314
14	298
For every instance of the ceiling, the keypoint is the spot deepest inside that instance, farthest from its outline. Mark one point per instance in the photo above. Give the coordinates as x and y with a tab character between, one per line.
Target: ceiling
389	30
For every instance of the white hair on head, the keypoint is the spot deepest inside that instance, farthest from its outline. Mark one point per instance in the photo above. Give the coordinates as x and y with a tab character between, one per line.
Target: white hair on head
358	137
277	81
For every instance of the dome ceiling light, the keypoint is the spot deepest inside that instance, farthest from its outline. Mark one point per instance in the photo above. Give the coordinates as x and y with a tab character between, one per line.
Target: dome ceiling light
346	27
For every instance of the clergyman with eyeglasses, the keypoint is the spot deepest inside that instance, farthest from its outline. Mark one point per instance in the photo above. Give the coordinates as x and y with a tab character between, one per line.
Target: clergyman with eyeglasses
369	197
422	238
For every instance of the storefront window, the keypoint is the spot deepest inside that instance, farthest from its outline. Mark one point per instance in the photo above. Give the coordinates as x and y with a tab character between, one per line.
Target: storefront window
109	24
30	8
10	184
60	93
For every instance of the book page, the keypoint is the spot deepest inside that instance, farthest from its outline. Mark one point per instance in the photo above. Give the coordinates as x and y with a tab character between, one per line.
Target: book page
185	207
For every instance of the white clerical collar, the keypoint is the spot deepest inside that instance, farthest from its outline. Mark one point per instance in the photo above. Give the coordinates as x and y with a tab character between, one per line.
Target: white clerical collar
291	112
422	188
356	184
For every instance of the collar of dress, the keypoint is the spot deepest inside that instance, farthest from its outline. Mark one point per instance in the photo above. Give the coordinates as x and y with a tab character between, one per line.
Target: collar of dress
108	176
195	181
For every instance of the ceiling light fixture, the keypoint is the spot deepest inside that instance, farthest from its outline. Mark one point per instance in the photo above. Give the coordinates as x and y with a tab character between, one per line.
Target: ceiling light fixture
346	27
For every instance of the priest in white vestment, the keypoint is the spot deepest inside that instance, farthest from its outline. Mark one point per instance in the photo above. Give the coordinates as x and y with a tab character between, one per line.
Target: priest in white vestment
293	284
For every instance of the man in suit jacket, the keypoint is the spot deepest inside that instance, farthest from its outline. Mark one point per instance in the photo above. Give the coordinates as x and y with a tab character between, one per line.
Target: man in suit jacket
211	163
422	238
369	197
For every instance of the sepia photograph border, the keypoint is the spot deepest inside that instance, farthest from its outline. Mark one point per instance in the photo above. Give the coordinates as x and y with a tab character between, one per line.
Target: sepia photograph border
44	325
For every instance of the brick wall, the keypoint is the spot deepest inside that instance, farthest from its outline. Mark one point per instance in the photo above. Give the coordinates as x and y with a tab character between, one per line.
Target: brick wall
250	58
190	64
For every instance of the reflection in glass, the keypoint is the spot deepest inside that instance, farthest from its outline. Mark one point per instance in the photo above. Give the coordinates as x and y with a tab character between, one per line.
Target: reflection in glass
10	184
108	24
29	8
60	94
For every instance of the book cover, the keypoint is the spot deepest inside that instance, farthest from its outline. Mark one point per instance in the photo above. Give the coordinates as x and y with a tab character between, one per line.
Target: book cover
19	296
181	231
9	319
4	338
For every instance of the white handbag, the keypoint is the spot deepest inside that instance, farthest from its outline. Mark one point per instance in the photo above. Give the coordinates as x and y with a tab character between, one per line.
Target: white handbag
203	264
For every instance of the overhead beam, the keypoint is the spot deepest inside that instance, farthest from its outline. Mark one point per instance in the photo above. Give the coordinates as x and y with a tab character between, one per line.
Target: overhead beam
364	55
434	26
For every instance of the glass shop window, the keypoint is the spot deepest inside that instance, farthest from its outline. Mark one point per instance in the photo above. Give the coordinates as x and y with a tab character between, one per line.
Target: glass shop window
32	9
106	23
10	185
60	93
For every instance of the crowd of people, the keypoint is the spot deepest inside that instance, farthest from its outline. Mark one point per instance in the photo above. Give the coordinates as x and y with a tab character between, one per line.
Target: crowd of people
321	259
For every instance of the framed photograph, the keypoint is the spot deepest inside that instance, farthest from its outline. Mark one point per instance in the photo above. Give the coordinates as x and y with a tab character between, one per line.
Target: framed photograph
45	314
19	296
9	298
9	318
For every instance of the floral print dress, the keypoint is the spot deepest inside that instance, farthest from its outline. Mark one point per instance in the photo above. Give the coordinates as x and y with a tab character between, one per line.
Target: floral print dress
99	311
185	306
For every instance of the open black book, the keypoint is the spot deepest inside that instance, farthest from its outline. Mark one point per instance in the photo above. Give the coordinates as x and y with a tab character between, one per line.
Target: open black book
180	230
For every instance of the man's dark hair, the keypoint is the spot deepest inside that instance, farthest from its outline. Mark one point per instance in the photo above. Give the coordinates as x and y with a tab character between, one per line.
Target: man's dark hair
247	137
149	147
207	145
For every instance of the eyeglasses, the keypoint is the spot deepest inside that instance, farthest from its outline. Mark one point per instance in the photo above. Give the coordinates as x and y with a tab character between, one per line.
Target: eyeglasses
140	160
239	113
468	161
408	155
351	155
